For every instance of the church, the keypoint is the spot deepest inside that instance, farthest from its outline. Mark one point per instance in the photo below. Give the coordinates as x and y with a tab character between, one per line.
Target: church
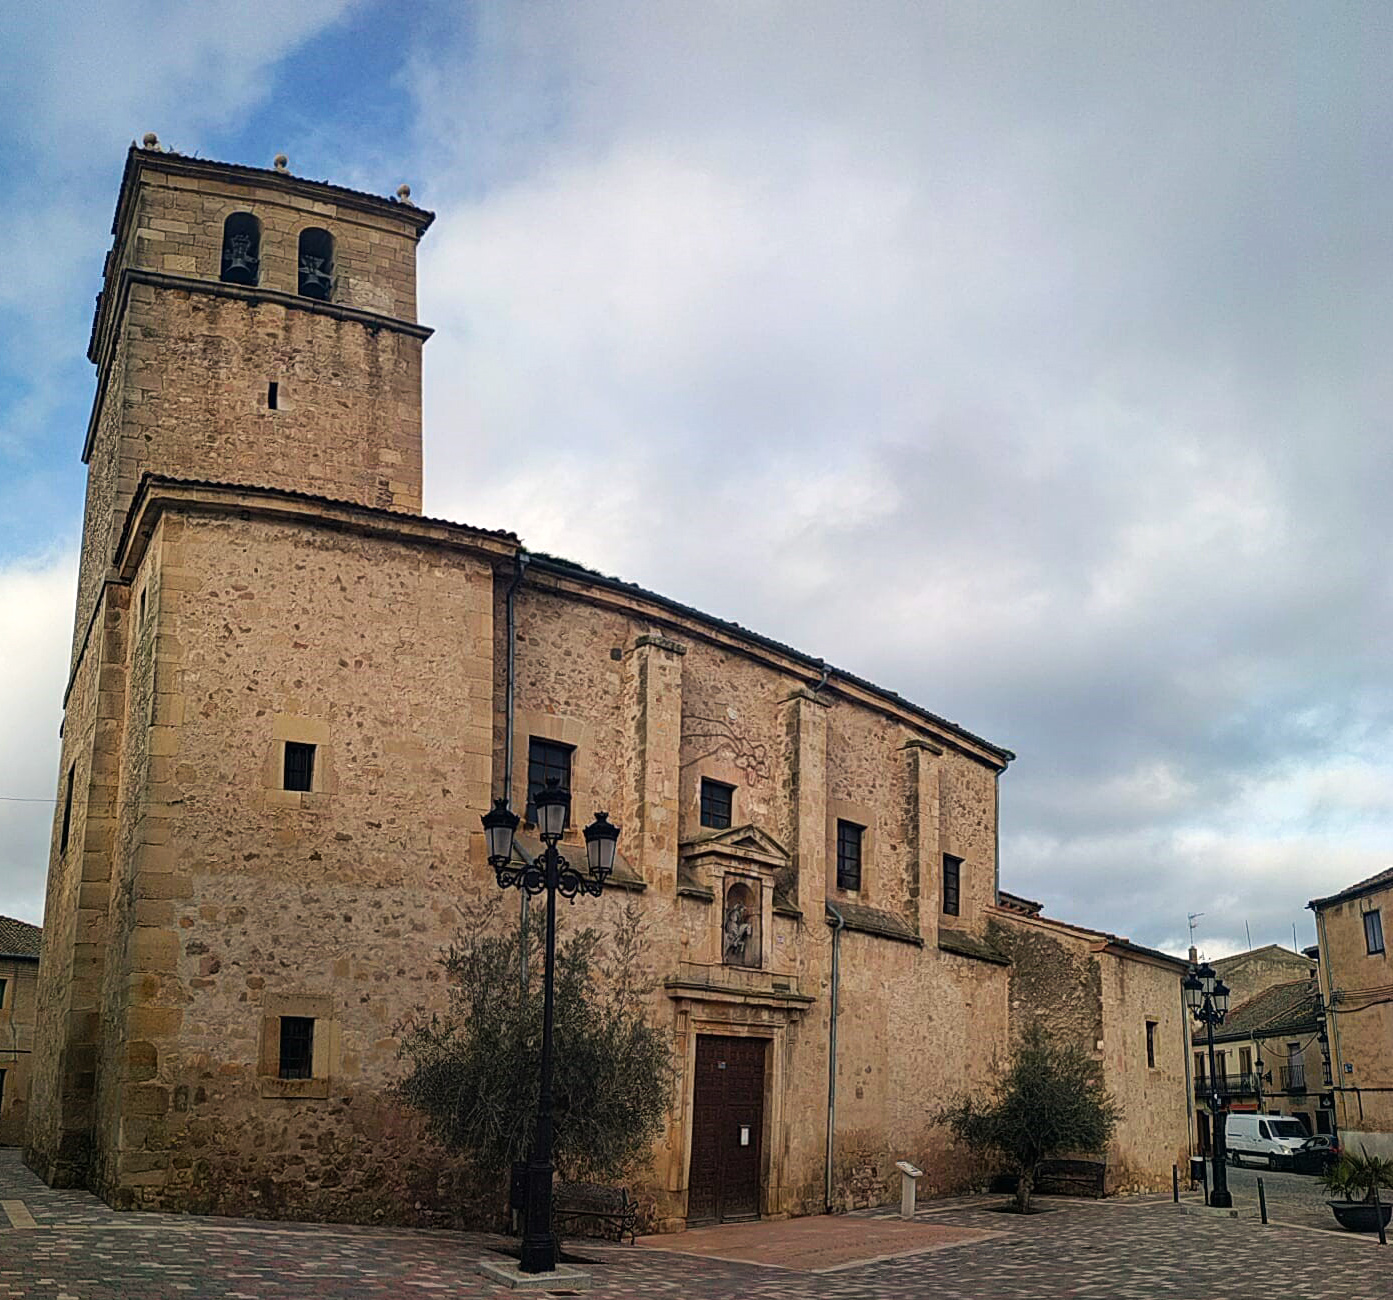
292	696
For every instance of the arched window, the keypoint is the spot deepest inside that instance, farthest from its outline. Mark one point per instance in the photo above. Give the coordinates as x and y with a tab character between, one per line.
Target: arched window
241	248
316	263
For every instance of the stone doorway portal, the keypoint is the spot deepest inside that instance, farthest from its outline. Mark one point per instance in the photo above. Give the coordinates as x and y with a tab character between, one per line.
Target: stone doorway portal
727	1129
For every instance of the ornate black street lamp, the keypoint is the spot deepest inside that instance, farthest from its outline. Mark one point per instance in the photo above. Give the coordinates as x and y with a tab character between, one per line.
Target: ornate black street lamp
1207	997
552	873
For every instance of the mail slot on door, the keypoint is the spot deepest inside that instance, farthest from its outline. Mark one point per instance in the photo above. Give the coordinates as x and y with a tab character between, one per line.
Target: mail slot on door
744	1135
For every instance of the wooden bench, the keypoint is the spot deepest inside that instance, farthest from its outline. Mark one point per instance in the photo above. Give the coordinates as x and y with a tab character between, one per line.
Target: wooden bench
585	1203
1072	1178
1062	1178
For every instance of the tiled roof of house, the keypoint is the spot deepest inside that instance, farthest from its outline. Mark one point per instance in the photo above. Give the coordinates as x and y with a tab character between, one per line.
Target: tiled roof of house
1383	879
1017	903
1285	1007
19	938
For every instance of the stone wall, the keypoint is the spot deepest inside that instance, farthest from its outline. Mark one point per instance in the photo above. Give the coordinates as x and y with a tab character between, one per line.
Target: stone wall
17	1015
1086	989
1249	973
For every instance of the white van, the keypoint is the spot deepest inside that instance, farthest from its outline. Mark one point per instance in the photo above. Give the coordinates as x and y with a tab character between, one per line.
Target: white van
1270	1138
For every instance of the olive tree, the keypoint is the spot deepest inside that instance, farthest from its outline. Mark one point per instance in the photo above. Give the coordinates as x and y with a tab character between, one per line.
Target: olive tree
474	1070
1050	1101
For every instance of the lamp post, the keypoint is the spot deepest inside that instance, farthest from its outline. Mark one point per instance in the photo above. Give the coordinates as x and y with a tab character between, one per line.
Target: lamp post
1207	998
552	874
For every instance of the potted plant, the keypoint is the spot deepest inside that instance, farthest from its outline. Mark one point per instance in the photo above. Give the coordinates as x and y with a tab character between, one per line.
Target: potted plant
1355	1178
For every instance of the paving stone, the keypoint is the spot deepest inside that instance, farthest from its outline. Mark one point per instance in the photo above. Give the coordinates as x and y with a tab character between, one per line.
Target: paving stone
1135	1249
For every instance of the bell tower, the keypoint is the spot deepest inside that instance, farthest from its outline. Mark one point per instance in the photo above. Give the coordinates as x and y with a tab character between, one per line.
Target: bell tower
253	327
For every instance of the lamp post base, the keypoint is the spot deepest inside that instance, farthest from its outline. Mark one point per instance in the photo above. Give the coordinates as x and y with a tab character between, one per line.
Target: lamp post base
540	1250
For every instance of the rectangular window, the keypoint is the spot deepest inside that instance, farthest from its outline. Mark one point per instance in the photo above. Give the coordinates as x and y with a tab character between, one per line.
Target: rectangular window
297	1047
849	855
3	983
273	395
299	766
142	607
67	812
1373	931
1245	1060
1221	1066
1200	1071
1151	1044
952	884
717	800
547	760
2	1091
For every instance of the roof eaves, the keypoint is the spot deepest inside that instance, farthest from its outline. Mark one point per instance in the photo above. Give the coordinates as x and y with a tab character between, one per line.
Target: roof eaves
567	568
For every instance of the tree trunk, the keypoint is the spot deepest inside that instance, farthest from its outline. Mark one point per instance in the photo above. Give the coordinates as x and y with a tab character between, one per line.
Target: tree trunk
1023	1190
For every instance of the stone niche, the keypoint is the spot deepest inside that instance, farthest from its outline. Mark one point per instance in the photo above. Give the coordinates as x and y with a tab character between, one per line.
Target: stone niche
736	870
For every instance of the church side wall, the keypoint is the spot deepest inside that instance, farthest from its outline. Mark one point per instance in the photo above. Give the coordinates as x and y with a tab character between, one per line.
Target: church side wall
1153	1133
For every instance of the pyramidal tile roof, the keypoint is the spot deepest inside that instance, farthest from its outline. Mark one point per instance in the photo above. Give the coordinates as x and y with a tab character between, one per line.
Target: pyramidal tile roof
19	938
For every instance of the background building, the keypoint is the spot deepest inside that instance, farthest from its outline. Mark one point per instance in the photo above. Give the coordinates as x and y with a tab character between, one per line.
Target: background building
306	693
19	978
1358	993
1269	1057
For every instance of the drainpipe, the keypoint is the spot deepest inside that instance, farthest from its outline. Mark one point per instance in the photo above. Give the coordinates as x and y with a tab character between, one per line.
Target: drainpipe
520	560
826	673
1326	975
838	924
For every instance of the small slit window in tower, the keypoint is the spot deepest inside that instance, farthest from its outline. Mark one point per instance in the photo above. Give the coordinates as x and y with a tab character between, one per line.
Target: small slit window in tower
241	249
273	396
299	766
67	812
316	263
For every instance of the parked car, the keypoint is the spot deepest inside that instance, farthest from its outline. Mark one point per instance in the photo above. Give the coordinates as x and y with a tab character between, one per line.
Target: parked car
1317	1153
1274	1139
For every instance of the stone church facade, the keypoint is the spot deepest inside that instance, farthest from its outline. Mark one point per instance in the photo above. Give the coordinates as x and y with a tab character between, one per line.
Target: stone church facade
292	696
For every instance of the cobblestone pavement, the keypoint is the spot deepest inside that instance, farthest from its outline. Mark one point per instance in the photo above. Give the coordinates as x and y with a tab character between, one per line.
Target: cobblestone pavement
1291	1198
1141	1249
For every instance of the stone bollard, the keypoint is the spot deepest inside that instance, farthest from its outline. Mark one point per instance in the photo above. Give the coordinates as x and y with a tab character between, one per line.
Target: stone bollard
909	1176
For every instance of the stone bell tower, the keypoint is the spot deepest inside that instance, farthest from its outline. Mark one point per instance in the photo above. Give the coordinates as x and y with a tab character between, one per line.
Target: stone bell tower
253	327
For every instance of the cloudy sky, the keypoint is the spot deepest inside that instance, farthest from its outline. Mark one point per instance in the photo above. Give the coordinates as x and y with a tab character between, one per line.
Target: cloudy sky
1031	360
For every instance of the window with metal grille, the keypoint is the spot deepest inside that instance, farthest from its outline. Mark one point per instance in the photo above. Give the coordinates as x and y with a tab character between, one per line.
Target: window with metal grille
1151	1044
849	855
67	812
297	1047
717	799
1373	931
547	760
299	766
952	884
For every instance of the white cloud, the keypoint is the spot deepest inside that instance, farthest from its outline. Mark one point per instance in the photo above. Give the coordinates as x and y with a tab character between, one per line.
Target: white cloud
36	619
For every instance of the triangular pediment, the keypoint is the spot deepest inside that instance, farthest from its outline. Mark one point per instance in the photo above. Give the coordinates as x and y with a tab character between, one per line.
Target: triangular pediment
746	843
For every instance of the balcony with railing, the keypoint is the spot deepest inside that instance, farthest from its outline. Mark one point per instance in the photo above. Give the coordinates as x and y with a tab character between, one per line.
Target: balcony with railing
1229	1085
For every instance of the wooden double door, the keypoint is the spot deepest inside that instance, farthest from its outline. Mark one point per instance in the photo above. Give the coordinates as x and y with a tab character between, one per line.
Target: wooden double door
727	1124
